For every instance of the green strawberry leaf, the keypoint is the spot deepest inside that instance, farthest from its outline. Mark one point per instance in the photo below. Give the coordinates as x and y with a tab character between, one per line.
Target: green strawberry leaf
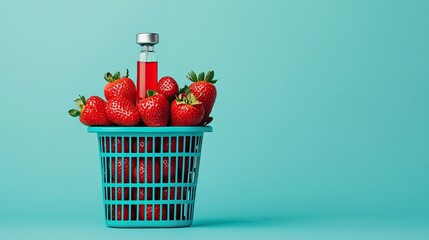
192	76
150	93
209	76
185	100
74	113
192	98
117	75
201	76
107	77
81	101
185	89
208	120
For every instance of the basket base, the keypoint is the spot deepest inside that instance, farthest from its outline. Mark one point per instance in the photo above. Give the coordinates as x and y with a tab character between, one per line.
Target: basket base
148	224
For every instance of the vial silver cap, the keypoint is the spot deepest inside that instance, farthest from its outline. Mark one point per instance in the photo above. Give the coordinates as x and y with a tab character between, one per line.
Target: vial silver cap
147	38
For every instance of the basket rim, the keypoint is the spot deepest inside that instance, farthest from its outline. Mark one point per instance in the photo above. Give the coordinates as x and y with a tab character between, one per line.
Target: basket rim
115	129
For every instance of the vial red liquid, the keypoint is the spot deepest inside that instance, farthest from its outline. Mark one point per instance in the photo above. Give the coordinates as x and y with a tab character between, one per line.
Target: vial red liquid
147	78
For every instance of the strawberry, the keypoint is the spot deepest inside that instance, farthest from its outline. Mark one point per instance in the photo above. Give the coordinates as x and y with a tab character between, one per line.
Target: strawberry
154	109
149	144
175	194
173	146
117	169
119	86
145	194
144	144
205	91
114	144
169	166
150	210
186	169
186	110
112	194
168	87
172	195
147	172
122	213
122	111
167	194
91	111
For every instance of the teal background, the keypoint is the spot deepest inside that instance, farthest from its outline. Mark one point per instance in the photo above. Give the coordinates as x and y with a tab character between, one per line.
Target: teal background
320	125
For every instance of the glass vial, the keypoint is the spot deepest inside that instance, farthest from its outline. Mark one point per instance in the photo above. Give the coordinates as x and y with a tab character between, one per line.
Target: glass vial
147	64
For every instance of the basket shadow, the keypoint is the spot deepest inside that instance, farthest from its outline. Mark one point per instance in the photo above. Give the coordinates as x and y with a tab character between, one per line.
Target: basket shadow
242	222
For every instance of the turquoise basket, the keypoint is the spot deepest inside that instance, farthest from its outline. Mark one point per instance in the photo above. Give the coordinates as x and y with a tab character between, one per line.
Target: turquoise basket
149	174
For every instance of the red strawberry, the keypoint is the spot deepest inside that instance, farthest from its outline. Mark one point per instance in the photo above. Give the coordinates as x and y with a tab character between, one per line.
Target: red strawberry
117	169
122	112
91	111
175	194
182	169
173	146
186	168
144	144
148	144
150	210
146	172
186	110
120	214
145	194
205	91
119	86
169	166
112	194
172	195
125	192
114	144
154	109
168	87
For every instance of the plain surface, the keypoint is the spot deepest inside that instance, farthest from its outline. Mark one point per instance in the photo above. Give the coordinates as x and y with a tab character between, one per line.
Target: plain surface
322	110
292	227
